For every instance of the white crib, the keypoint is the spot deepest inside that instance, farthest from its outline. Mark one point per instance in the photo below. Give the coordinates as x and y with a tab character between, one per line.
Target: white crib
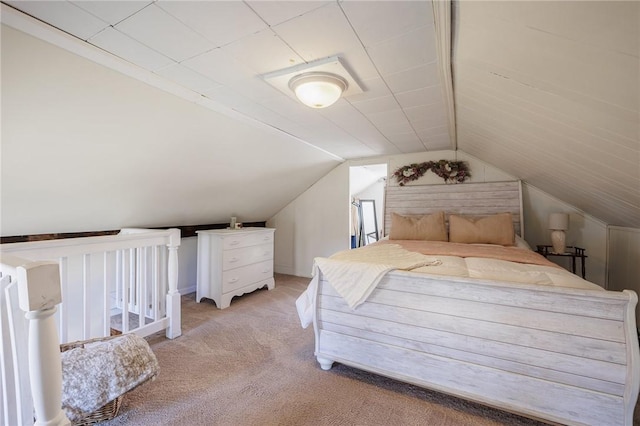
126	282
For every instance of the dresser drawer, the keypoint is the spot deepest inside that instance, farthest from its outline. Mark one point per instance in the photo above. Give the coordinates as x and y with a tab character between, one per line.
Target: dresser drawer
240	277
245	256
244	240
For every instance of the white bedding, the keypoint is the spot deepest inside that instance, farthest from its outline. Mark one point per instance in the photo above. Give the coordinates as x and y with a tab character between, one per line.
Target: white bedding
355	273
502	270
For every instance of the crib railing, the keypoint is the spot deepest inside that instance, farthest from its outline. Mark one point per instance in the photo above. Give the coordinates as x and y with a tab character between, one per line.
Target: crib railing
120	283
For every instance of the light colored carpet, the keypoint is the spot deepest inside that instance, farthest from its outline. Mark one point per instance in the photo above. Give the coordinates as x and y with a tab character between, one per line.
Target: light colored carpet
252	364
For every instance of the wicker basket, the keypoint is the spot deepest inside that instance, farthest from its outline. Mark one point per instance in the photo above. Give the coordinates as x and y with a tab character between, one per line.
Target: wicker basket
111	408
106	412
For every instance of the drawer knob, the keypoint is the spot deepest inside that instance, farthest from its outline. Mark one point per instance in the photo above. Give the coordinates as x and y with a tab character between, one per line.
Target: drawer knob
266	271
233	259
234	242
233	280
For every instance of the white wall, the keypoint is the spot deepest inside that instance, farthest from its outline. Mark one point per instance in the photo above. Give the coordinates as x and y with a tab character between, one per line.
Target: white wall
85	148
624	260
187	265
584	231
314	224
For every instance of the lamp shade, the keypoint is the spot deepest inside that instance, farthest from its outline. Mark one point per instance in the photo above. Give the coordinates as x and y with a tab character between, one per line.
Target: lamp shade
318	89
559	221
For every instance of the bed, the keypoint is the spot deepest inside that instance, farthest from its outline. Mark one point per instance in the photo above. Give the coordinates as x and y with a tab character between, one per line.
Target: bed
555	350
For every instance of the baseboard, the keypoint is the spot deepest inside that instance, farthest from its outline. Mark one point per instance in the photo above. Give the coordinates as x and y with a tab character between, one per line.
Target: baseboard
187	290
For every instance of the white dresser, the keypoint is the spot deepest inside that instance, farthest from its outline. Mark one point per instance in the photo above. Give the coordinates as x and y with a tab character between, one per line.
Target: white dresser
234	262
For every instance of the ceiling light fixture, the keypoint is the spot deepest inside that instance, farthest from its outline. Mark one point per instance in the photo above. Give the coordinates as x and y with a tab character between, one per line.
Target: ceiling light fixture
316	84
318	89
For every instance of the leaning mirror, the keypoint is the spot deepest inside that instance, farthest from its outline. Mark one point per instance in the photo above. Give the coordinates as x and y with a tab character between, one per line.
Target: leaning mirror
368	221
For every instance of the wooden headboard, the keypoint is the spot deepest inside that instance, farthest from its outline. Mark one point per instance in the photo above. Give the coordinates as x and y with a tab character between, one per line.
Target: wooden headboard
466	199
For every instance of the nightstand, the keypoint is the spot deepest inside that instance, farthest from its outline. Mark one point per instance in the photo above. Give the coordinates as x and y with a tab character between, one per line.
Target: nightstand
572	252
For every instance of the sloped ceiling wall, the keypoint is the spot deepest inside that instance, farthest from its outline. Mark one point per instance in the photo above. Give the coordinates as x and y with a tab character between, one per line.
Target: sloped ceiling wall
549	92
220	53
85	148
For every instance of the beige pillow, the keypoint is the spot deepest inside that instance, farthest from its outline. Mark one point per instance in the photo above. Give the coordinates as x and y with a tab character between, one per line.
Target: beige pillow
494	229
429	227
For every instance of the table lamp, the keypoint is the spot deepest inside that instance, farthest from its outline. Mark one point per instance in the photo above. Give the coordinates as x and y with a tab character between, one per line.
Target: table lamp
558	223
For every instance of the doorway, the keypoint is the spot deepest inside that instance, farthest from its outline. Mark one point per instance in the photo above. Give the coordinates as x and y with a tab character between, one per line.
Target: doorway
366	190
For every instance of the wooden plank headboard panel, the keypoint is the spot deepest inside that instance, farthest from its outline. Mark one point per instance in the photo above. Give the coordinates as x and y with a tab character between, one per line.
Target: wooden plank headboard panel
466	199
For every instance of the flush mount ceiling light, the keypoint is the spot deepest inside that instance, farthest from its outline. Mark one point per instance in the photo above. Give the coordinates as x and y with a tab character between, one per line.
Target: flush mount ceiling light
317	84
318	89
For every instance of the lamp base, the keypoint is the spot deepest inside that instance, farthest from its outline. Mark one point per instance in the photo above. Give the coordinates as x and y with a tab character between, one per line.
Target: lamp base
558	238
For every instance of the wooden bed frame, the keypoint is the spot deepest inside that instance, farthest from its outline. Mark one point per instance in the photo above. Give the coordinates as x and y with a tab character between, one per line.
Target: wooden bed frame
557	354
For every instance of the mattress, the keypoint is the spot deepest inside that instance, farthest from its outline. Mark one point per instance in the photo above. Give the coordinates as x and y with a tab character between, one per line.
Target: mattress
355	273
482	261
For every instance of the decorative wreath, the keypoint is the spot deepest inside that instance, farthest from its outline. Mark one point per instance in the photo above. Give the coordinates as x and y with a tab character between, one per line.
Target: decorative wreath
450	171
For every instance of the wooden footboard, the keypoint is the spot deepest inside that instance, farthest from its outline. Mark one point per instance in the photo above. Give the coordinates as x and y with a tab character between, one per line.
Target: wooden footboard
560	354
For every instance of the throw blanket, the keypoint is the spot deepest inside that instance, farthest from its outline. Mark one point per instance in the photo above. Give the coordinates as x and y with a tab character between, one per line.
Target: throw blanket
354	274
103	370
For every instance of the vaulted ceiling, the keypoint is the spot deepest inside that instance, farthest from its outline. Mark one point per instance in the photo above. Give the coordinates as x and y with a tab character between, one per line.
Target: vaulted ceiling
222	49
546	91
550	92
